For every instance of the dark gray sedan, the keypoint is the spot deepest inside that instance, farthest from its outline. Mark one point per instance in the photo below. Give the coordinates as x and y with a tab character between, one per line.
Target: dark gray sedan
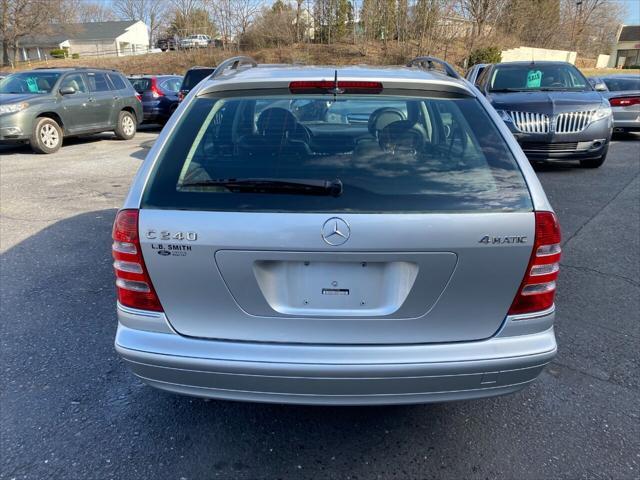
551	109
623	93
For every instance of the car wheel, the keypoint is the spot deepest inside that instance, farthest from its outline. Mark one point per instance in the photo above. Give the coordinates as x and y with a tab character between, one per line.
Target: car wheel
593	162
47	136
126	128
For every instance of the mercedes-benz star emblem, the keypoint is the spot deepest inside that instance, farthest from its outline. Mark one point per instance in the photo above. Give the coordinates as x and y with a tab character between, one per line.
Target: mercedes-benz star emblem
335	231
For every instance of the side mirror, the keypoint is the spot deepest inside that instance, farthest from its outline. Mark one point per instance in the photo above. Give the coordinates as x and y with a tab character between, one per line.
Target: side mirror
67	91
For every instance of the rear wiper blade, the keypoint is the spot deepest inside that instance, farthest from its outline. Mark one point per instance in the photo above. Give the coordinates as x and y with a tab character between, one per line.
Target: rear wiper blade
274	185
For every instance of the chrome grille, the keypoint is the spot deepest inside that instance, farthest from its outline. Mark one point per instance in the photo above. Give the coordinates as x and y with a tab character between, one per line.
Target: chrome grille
530	122
573	122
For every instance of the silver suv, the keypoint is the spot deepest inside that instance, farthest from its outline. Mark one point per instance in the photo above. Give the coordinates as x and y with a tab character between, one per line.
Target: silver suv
336	235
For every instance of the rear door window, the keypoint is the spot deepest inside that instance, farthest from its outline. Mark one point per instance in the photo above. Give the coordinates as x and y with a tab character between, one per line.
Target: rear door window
98	82
388	153
76	81
171	84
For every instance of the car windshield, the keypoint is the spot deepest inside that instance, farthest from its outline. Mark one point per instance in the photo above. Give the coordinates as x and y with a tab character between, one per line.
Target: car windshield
354	153
622	84
29	82
537	77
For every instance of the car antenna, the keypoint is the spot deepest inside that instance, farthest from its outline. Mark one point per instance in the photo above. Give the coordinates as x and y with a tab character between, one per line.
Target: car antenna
336	89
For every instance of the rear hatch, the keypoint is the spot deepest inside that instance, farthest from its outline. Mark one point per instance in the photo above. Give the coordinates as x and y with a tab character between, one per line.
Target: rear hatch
357	219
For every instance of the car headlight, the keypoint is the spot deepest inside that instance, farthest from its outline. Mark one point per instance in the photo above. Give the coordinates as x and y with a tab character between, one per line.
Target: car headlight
504	116
13	107
603	112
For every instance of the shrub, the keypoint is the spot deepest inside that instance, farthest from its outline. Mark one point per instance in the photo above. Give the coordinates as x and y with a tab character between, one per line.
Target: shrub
631	67
75	55
485	55
58	53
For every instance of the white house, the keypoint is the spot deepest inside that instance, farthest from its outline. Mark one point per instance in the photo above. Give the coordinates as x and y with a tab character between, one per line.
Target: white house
87	40
626	51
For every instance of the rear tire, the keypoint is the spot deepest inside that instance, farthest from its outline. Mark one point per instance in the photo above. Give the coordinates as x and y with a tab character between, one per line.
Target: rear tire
46	136
126	127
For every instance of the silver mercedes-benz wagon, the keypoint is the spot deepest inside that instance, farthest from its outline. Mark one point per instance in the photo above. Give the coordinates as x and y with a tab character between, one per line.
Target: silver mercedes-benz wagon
336	235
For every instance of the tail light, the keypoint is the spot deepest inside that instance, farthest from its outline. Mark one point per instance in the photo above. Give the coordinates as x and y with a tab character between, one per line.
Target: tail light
180	96
155	91
132	279
139	97
330	86
538	288
624	101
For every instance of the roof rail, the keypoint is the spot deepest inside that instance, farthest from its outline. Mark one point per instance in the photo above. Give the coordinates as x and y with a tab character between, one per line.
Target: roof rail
427	63
233	63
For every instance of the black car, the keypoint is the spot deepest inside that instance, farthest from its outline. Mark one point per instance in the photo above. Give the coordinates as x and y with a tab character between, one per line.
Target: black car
551	109
167	43
193	76
158	94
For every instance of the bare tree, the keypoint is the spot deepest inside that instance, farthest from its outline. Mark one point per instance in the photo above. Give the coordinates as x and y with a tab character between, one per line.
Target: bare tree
245	13
484	16
149	11
19	18
94	12
185	7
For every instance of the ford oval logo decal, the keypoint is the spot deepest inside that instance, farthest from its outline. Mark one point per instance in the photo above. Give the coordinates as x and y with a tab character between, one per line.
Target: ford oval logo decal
164	252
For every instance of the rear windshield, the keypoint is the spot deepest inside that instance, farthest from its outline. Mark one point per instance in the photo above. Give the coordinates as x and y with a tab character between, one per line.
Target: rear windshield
195	76
544	77
372	153
140	84
622	84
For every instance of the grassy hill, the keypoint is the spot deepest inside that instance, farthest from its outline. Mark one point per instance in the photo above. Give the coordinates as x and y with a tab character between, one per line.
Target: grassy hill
311	54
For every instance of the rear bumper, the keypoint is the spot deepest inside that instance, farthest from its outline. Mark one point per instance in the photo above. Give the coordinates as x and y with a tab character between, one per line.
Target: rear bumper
626	118
157	110
336	375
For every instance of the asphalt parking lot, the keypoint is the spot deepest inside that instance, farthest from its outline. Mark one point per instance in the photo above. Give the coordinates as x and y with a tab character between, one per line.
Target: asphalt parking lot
69	409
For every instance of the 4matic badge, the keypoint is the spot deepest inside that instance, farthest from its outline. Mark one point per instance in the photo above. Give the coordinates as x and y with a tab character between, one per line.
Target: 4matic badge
489	240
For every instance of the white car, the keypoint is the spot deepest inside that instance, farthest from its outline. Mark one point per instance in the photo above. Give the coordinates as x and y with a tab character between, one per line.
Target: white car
195	41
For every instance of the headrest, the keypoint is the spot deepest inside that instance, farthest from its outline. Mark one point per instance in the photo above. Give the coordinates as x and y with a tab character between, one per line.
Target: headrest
403	136
276	120
382	117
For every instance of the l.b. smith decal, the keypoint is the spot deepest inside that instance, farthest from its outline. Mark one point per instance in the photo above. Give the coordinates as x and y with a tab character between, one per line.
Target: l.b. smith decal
171	249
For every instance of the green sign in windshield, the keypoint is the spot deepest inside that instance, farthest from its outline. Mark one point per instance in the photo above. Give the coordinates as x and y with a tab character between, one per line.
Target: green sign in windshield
534	78
32	85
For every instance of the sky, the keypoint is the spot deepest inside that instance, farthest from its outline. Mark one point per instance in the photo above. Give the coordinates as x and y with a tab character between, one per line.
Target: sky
633	11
